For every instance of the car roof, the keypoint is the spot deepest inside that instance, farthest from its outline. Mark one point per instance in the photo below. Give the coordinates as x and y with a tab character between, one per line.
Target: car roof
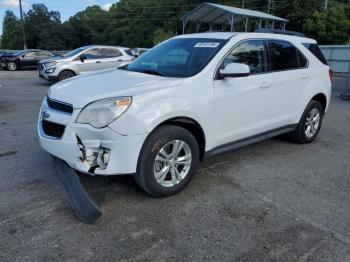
228	35
104	46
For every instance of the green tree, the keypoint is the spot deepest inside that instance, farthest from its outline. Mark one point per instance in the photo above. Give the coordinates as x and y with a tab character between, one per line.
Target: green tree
331	27
160	35
12	32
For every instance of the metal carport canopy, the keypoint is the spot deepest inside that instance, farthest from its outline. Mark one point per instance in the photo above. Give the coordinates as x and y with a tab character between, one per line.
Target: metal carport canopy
215	14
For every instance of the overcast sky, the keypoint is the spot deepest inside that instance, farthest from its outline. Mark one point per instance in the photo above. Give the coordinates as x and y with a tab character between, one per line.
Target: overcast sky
66	8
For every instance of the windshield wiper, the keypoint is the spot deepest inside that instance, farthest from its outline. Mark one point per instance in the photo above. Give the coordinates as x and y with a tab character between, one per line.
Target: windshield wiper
150	72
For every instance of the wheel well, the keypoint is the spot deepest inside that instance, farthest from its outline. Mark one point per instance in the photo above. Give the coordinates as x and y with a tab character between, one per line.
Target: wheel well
68	70
192	126
322	99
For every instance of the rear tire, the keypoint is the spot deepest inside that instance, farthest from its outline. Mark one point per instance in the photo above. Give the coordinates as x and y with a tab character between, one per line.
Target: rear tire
12	66
168	161
310	123
65	74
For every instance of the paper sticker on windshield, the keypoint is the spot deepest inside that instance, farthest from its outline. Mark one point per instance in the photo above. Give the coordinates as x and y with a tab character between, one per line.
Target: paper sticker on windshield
207	45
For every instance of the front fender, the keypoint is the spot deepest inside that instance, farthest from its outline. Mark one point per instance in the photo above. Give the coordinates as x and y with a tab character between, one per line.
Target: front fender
143	119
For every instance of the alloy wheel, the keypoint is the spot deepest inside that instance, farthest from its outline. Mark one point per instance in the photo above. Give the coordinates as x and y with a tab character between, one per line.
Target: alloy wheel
312	122
172	163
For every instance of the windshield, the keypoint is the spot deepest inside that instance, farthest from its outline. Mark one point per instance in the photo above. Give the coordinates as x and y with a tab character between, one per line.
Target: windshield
74	52
179	57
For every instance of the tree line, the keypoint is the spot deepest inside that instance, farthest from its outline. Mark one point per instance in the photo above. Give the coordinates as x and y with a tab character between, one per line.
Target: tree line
144	23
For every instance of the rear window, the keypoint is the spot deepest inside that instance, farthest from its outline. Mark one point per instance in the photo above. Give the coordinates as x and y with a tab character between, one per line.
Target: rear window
313	48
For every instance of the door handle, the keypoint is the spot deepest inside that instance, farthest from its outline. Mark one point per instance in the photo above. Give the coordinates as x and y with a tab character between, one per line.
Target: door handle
304	76
120	60
98	62
265	84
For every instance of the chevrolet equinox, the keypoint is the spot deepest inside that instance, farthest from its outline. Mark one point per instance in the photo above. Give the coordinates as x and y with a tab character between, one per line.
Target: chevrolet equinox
188	98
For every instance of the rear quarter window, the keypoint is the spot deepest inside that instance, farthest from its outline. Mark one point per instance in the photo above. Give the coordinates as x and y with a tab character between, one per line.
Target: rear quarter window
316	51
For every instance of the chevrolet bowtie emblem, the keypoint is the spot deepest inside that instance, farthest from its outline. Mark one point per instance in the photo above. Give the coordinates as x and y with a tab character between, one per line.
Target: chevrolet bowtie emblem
45	114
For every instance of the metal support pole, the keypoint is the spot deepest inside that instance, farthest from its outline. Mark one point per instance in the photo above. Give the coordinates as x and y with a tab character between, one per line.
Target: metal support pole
273	24
325	5
184	23
246	24
198	25
232	19
284	26
269	6
243	4
22	22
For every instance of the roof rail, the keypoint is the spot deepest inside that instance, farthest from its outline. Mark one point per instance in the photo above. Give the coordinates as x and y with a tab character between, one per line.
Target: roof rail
279	31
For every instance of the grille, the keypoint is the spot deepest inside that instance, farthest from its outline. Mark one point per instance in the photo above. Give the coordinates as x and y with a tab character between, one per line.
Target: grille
40	67
59	106
53	129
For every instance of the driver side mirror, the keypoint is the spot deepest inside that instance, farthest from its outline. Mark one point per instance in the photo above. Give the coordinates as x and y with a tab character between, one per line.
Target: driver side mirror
234	70
82	58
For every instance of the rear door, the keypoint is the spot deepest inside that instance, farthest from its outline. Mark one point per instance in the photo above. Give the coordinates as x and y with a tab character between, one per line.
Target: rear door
41	55
289	76
112	58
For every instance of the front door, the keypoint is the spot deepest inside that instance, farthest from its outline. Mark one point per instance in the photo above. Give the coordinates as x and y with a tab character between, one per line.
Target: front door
242	104
29	59
93	60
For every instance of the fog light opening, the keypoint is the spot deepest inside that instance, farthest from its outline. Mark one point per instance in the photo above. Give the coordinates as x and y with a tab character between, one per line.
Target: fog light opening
96	158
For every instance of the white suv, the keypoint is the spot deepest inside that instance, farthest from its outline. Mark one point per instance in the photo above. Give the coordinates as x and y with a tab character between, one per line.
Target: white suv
82	60
191	97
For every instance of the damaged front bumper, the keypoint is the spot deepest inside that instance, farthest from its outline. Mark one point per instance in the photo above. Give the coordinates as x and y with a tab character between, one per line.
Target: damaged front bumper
87	149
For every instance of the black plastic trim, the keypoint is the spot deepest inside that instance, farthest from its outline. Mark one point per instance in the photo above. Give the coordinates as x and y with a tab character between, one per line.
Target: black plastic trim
249	140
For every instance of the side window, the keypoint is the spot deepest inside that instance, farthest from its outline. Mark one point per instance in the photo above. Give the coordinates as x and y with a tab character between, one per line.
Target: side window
251	53
315	50
302	60
43	54
283	55
30	55
111	52
94	53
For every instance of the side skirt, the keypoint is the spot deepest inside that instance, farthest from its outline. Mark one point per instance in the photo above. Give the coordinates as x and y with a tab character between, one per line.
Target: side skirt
249	140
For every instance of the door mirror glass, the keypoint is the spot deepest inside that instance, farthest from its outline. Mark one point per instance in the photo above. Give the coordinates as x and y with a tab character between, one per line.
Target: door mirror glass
235	70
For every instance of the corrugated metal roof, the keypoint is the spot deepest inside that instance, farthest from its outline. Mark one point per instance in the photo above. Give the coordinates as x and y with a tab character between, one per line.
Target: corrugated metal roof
217	14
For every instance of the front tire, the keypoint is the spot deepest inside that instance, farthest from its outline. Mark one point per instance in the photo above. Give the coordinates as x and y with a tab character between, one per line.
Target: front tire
168	161
12	66
65	74
310	123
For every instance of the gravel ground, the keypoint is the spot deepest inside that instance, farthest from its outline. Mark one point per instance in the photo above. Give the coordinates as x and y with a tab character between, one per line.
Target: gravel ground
272	201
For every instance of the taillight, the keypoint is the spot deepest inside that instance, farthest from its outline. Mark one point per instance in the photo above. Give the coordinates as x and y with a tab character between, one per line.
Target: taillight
331	74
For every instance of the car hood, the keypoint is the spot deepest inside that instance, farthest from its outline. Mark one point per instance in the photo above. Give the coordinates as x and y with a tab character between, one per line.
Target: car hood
8	55
56	58
82	90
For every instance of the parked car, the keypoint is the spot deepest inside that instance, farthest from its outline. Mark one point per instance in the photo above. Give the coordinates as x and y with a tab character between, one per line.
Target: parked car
28	58
189	98
139	51
83	60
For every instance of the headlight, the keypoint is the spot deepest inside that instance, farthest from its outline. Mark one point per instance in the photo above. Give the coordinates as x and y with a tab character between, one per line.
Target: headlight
48	64
103	112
